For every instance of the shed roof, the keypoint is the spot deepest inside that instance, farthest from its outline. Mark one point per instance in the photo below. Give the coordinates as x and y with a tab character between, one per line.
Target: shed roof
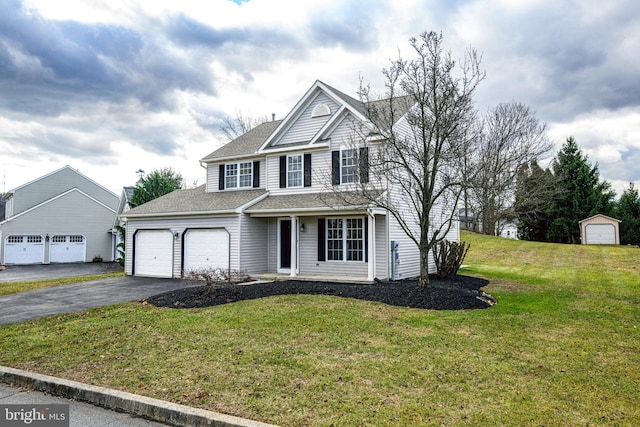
599	216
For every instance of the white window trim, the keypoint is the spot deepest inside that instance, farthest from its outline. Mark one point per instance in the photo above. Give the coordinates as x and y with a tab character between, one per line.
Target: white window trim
355	166
344	248
301	171
236	175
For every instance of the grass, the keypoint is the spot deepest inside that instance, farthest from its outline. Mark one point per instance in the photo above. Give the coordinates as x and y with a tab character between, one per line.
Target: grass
15	287
562	347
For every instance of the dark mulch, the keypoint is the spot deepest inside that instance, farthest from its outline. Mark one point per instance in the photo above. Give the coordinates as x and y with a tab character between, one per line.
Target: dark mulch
453	293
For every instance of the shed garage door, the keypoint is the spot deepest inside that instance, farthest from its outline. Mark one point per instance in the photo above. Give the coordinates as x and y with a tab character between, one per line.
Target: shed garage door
69	248
153	253
603	234
206	248
27	249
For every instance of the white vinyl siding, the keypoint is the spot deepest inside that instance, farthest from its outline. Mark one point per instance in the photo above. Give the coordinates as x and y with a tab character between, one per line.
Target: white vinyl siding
254	242
306	126
245	179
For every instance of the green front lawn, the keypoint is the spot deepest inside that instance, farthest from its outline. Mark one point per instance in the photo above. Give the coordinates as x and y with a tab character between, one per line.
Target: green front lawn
562	347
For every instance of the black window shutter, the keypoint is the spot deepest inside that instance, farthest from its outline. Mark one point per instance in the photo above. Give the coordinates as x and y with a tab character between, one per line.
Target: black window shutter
221	178
321	239
307	170
366	239
256	174
283	171
363	162
335	167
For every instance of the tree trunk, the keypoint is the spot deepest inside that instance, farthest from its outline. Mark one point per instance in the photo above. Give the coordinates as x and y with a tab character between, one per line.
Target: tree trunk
424	266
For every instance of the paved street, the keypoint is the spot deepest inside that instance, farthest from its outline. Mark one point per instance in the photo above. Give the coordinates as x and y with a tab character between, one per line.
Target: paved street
80	414
24	273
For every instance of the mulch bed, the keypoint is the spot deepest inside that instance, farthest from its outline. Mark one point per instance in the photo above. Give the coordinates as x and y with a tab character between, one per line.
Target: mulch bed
453	293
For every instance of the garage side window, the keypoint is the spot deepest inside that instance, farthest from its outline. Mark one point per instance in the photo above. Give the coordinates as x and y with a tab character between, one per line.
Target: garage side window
14	239
59	239
34	239
76	239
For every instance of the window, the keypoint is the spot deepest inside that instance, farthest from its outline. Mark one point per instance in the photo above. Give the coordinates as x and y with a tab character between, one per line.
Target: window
238	175
34	239
59	239
294	171
345	239
76	239
350	166
14	239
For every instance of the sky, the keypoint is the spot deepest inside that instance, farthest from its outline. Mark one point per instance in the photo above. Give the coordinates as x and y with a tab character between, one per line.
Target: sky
111	87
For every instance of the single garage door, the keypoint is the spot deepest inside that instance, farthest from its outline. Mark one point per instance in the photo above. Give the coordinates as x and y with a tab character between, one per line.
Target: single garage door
69	248
206	248
28	249
153	253
603	234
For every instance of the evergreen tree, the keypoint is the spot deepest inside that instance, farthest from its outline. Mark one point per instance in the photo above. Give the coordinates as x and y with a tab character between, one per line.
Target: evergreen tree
628	212
580	194
535	190
156	184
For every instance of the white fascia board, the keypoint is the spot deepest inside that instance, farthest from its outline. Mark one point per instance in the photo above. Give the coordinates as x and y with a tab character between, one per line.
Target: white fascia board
291	149
46	202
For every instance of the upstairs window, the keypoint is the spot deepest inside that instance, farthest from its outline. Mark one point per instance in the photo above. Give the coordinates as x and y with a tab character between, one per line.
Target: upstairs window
350	166
294	170
239	175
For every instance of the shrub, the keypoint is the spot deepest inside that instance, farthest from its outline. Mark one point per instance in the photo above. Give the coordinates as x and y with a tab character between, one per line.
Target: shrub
97	258
448	257
212	276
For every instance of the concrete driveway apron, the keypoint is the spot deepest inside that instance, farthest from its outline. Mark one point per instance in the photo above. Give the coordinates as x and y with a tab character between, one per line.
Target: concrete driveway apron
80	296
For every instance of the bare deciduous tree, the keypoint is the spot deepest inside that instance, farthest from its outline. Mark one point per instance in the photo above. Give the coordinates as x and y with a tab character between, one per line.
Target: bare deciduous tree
511	137
239	125
424	126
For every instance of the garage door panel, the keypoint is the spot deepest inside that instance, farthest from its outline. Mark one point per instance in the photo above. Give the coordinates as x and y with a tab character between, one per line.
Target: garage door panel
153	253
24	249
206	248
67	248
603	234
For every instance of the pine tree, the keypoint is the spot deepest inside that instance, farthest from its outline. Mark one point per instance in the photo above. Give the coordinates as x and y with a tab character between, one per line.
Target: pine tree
580	194
628	212
535	190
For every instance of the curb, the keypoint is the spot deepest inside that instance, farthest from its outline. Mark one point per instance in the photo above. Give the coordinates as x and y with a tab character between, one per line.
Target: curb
146	407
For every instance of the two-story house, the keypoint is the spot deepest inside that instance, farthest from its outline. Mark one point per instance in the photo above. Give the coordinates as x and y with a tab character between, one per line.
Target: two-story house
271	205
60	217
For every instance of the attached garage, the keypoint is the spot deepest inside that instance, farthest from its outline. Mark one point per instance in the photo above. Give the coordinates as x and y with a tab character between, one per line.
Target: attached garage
153	253
24	249
600	230
206	248
67	248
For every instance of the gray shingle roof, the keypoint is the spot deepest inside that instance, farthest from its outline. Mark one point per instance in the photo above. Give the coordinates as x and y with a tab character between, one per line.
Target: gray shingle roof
327	201
194	201
246	144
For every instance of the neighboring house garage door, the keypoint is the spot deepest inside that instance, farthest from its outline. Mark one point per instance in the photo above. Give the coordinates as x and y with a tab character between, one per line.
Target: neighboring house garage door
153	253
604	234
67	248
206	248
27	249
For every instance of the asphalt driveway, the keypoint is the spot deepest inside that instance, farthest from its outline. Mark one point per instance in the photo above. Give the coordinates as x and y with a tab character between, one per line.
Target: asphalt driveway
24	273
80	296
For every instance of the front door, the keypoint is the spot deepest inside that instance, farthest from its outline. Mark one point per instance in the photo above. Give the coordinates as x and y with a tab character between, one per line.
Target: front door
284	235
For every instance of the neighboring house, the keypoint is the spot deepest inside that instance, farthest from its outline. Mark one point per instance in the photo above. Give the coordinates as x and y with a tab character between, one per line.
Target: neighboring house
60	217
2	205
508	230
269	206
600	230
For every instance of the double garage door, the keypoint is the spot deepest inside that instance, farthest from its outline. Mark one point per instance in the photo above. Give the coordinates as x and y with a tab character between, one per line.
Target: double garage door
30	249
202	248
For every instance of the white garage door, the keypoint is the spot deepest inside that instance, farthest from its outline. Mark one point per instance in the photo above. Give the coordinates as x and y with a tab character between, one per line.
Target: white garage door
24	249
153	253
206	248
603	234
69	248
